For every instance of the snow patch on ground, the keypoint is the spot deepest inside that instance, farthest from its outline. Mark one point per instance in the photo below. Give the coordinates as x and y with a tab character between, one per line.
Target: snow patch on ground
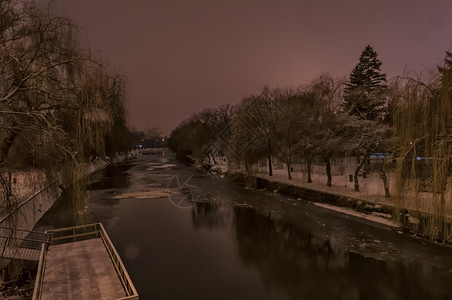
164	166
143	195
374	217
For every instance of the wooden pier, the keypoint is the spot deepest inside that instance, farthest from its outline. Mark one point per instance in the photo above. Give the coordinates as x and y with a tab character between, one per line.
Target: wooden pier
81	263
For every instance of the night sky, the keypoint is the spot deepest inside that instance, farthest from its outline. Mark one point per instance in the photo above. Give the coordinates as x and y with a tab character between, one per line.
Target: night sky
182	56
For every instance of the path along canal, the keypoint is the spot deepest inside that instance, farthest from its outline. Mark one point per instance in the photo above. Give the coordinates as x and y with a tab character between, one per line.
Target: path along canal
238	243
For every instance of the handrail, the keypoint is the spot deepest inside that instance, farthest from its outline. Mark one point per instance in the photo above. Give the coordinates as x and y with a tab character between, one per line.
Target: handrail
131	292
95	230
72	233
15	229
8	238
23	239
74	236
31	197
71	228
40	273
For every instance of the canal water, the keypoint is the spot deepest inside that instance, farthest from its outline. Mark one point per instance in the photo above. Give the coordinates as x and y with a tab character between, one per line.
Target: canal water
183	234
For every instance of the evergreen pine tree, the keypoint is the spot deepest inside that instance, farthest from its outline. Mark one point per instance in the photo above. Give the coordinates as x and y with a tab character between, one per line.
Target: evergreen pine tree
447	66
364	93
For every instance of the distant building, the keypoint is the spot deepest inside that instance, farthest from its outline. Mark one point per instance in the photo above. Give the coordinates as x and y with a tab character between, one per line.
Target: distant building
153	133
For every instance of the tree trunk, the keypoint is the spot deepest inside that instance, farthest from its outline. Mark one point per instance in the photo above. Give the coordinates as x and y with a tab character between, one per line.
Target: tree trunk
385	181
270	170
6	145
328	172
443	215
289	164
357	172
309	164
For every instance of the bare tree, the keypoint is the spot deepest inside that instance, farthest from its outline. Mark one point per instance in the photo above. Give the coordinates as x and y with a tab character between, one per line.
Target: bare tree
57	99
294	128
266	113
328	119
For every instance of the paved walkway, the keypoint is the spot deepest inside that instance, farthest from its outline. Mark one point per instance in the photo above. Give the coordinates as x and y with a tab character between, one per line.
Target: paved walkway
80	270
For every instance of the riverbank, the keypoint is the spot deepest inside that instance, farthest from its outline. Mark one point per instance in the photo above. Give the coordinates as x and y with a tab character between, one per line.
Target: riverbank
365	203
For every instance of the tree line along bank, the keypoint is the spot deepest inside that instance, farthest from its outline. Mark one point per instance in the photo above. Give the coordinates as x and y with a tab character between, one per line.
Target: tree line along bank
406	123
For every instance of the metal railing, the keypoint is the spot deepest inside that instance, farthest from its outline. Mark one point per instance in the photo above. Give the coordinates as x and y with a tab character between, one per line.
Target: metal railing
79	233
24	202
10	240
74	233
131	292
37	291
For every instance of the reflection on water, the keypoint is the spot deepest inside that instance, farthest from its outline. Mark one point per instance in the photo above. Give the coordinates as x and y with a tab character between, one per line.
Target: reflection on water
61	214
113	176
303	266
211	215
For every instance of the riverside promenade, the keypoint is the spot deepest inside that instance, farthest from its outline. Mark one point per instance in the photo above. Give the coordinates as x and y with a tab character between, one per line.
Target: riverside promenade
371	187
371	190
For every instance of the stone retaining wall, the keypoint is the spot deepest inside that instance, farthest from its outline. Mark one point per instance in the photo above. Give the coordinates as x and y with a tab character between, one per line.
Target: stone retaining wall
411	221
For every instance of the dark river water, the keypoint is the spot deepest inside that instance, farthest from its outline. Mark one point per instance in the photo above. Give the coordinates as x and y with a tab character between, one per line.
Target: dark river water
186	235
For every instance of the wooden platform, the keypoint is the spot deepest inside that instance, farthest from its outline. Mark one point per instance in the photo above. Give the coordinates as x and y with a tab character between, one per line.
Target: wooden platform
80	270
21	253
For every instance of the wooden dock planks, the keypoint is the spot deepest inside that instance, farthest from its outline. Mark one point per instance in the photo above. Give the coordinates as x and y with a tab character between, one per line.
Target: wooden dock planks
80	270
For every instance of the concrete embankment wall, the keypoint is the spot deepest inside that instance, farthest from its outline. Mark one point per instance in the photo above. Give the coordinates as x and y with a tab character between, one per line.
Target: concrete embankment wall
310	194
34	199
26	215
412	221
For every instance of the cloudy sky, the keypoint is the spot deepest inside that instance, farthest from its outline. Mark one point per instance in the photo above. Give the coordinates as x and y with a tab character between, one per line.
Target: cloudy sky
180	56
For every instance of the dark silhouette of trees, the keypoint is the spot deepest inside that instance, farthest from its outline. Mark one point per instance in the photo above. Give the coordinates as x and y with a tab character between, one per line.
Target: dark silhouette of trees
265	113
291	127
254	128
59	102
203	135
364	93
447	64
366	102
328	120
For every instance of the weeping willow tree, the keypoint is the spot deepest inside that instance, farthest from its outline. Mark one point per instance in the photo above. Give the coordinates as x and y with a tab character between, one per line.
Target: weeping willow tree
58	101
98	104
423	121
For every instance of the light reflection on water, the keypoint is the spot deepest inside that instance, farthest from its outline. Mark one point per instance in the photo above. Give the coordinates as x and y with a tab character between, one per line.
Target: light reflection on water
245	244
300	265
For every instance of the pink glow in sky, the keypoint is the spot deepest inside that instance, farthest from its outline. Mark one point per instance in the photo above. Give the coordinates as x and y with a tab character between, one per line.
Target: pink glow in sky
182	56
